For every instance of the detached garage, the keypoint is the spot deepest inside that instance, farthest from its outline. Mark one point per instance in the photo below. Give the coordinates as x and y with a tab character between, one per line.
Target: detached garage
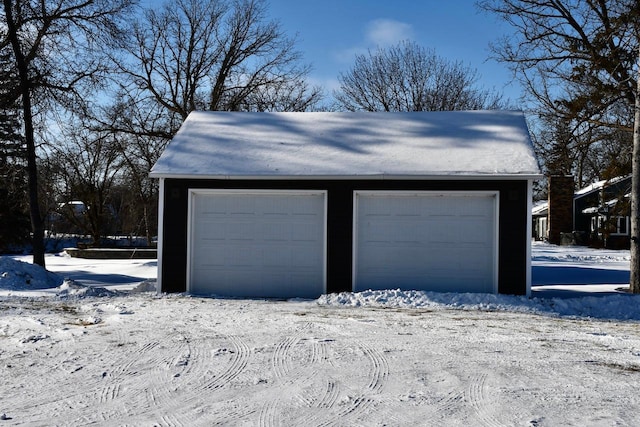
299	204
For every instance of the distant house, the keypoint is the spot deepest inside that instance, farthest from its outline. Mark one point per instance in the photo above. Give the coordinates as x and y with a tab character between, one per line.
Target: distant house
601	214
300	204
540	217
67	217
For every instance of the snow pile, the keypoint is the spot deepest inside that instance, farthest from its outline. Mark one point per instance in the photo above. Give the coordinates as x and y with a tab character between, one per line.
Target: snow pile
614	307
586	257
21	276
397	298
619	306
545	252
148	285
17	275
72	289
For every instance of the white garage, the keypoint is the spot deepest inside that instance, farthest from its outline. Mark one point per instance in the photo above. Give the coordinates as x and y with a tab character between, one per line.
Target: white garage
258	243
433	241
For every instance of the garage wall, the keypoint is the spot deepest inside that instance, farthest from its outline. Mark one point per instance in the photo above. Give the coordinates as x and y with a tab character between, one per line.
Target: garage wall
512	241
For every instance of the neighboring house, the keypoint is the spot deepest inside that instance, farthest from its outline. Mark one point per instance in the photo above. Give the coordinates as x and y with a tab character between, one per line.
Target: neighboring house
67	217
540	216
300	204
601	214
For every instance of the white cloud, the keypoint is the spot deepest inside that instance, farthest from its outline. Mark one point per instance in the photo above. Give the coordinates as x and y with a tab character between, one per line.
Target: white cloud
378	33
385	32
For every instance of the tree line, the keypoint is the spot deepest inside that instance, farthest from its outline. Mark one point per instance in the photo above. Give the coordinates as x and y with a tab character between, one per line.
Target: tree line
92	90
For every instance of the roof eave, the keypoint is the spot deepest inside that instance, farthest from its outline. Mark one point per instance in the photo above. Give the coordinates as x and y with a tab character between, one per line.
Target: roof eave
430	177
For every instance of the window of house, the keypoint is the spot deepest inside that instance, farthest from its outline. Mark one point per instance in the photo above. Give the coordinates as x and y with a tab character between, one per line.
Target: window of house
621	224
617	225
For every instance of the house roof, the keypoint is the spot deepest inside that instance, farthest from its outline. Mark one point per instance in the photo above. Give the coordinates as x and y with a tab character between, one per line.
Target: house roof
599	185
540	209
350	145
609	204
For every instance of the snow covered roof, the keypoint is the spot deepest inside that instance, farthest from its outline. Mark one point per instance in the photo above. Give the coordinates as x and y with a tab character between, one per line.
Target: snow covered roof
363	145
609	204
599	185
540	208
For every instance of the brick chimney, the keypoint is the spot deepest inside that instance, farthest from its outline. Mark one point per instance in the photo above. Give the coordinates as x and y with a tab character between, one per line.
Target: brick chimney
560	206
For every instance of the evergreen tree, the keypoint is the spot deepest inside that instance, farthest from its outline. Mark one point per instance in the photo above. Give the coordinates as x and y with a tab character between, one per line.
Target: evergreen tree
14	213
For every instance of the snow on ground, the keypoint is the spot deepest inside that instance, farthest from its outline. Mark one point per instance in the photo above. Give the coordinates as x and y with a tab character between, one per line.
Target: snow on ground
109	354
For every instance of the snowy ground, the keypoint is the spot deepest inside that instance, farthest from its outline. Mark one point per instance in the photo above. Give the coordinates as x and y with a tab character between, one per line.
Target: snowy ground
113	354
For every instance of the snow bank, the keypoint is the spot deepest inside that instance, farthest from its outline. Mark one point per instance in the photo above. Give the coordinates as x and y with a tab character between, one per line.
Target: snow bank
72	289
20	276
619	307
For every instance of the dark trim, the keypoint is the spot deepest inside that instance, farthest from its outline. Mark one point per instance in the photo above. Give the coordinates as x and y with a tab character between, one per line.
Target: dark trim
512	240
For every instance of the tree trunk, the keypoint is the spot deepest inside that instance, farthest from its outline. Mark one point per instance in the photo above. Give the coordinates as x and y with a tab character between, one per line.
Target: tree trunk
37	224
635	196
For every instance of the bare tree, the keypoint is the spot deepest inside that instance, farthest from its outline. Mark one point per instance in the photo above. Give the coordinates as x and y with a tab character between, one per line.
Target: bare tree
213	55
579	59
635	188
197	55
139	151
88	165
55	46
408	77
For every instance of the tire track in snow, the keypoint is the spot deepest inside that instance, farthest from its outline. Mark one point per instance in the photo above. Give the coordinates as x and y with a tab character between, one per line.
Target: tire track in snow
53	383
160	396
281	365
125	388
239	361
330	395
190	373
119	371
443	409
476	396
378	371
105	393
294	364
281	361
269	413
232	417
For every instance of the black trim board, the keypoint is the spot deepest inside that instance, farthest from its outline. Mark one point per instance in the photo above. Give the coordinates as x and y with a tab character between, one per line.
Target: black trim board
513	239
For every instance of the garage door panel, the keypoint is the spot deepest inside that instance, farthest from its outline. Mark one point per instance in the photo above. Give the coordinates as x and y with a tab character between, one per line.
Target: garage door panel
303	257
474	230
306	232
426	241
276	257
257	243
275	231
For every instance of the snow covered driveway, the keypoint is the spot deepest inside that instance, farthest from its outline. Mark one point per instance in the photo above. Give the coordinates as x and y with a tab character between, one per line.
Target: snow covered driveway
74	355
172	361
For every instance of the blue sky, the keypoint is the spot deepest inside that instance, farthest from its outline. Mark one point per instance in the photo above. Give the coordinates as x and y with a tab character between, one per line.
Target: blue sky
331	32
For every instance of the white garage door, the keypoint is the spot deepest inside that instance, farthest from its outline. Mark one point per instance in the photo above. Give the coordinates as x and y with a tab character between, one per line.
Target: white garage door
257	243
442	242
